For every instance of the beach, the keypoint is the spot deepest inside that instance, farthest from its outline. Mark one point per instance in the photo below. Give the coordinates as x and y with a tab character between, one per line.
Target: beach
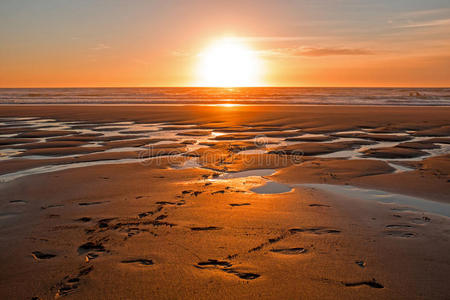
224	201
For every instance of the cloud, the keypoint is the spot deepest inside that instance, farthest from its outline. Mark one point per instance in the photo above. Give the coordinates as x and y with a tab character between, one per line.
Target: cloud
333	51
295	51
424	13
270	38
316	51
439	22
181	53
100	46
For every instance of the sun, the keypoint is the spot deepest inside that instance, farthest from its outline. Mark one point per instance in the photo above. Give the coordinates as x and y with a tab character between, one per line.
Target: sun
229	63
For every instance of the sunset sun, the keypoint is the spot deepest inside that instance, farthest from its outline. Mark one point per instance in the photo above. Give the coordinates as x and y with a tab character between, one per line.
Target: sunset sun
229	63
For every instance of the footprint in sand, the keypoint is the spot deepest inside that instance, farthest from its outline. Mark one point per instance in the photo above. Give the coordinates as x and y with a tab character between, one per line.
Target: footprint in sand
318	205
315	230
70	283
19	202
399	226
51	206
165	203
91	256
161	217
290	251
38	255
103	223
239	204
84	219
371	283
361	263
91	203
397	230
421	221
140	261
242	275
225	266
206	228
91	246
218	192
214	262
402	234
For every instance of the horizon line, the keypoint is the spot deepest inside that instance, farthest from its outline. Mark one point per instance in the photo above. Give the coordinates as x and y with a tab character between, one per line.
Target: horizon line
219	87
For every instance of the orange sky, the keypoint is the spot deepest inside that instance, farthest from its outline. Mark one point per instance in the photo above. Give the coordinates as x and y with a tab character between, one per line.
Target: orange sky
157	43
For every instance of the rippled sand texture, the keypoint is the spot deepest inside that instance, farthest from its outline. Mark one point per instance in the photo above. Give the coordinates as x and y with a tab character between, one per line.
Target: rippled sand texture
224	202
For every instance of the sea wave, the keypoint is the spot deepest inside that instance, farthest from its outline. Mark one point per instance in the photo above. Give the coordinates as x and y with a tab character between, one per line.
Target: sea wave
252	96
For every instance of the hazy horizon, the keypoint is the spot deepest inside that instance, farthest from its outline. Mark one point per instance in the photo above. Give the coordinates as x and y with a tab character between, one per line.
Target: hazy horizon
227	87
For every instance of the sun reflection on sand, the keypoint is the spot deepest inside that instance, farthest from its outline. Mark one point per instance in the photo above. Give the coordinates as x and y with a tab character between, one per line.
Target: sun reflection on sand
228	105
225	105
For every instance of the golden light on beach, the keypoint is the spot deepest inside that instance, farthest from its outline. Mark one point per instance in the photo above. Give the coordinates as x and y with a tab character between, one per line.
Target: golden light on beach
229	63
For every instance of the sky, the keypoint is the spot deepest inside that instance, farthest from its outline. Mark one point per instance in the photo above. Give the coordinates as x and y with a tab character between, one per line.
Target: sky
85	43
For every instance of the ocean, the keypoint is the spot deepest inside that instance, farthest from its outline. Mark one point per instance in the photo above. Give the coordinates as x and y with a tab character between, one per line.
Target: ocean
244	96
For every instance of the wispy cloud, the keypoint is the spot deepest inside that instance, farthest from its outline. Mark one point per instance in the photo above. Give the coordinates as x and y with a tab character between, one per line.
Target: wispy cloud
427	12
440	22
181	53
315	51
422	18
100	46
270	38
295	51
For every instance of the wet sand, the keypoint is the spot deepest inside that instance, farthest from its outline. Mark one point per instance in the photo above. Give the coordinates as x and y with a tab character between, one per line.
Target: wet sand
139	202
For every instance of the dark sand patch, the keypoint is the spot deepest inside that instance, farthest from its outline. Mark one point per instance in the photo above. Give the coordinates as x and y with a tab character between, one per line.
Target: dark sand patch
194	133
418	145
375	137
89	137
437	131
60	151
319	138
393	152
44	133
333	170
320	128
439	140
13	141
131	143
52	144
310	149
236	136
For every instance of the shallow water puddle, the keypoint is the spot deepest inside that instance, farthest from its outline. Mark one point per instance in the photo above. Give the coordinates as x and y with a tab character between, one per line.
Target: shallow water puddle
399	168
190	163
53	168
170	132
247	173
385	197
272	187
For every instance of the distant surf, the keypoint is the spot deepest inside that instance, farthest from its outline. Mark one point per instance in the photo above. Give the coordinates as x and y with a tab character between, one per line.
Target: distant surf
244	96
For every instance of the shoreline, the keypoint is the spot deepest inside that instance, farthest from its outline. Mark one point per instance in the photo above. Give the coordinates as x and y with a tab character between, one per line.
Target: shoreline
221	105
